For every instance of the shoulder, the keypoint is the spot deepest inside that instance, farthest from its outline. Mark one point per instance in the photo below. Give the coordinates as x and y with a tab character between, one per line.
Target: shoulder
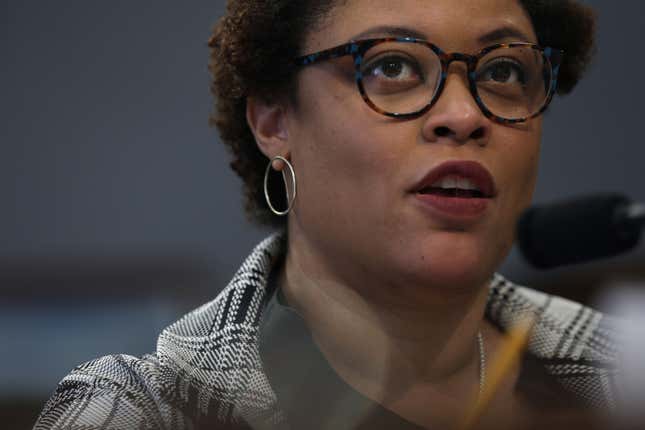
568	329
206	367
576	344
115	391
221	336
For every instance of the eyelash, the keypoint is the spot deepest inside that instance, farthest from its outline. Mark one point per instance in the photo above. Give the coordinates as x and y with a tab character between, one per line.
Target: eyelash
515	65
392	58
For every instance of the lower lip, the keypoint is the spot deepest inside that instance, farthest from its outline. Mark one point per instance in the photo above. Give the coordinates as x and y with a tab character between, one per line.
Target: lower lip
464	208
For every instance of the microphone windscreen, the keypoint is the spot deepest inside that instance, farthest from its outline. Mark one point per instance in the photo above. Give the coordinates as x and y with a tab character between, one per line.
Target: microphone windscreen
575	231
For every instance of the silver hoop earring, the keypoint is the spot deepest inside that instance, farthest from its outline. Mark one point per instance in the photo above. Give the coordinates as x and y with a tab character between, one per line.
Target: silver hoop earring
293	184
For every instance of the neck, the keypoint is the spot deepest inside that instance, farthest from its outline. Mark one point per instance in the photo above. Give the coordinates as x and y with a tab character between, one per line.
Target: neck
385	338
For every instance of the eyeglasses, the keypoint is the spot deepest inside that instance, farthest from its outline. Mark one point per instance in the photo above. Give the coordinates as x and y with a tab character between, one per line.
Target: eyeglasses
403	77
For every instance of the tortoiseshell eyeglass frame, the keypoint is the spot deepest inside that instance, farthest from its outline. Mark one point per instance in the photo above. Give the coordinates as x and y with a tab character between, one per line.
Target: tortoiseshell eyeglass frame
358	48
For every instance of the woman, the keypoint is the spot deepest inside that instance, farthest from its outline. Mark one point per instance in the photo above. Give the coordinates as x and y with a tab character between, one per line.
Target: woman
407	134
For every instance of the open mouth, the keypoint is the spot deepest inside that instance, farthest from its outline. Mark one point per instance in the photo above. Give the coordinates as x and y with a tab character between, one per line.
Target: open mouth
453	192
456	191
464	179
454	186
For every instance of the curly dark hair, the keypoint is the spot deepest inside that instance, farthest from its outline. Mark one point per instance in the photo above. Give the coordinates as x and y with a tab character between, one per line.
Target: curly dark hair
253	45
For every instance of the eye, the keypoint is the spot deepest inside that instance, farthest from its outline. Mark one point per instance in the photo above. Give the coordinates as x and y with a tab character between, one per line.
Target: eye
393	67
503	71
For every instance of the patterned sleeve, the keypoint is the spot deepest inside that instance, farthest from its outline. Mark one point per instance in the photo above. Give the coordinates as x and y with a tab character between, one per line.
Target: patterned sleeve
112	392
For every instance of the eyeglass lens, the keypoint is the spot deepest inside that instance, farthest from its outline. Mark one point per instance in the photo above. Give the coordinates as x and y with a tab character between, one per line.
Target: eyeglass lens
404	77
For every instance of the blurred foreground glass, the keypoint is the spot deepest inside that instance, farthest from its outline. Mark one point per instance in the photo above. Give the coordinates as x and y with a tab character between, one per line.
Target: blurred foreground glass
403	77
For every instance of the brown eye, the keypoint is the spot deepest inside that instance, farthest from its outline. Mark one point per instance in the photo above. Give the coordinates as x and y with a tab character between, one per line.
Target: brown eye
393	68
503	71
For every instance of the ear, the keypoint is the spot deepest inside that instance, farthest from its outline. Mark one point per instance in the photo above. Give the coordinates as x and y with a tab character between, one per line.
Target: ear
268	123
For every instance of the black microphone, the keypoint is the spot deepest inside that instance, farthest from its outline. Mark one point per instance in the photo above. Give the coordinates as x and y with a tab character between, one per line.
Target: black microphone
579	230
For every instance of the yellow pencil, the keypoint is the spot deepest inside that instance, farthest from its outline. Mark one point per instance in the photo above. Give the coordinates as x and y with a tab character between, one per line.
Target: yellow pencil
511	350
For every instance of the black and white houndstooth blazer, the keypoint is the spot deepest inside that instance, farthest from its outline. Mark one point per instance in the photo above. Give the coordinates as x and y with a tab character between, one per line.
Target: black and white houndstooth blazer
207	368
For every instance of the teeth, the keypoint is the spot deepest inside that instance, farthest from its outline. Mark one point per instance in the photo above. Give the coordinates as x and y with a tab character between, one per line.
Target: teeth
452	182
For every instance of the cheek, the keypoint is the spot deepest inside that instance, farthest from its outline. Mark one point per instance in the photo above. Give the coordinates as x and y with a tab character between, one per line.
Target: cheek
351	176
338	169
519	173
527	158
517	157
341	156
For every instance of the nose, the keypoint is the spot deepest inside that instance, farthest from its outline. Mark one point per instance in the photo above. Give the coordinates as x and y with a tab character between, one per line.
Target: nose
456	116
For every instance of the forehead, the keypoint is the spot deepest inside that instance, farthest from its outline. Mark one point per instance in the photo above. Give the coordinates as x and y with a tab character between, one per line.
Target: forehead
455	25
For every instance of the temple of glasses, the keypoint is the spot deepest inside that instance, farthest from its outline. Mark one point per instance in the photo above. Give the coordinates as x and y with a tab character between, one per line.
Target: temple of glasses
403	77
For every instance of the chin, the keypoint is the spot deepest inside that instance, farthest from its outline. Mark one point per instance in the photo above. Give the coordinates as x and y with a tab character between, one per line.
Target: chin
464	277
456	265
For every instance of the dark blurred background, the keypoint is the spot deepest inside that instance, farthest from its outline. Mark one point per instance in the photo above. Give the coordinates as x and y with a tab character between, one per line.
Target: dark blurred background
119	212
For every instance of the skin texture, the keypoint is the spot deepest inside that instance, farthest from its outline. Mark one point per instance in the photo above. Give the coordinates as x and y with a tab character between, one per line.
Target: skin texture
393	293
355	166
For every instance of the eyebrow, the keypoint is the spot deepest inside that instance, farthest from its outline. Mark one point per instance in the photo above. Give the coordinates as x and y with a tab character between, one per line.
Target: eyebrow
390	30
505	32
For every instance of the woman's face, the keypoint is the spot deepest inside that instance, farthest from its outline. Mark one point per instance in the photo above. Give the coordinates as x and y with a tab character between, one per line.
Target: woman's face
359	172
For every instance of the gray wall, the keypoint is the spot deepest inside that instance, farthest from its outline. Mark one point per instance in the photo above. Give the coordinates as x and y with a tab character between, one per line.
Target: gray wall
106	145
593	138
106	157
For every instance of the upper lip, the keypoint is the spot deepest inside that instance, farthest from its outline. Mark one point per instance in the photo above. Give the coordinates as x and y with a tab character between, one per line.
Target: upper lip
471	170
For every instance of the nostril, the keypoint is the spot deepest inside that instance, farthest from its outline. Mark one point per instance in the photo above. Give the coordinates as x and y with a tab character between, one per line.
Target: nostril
443	131
478	134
